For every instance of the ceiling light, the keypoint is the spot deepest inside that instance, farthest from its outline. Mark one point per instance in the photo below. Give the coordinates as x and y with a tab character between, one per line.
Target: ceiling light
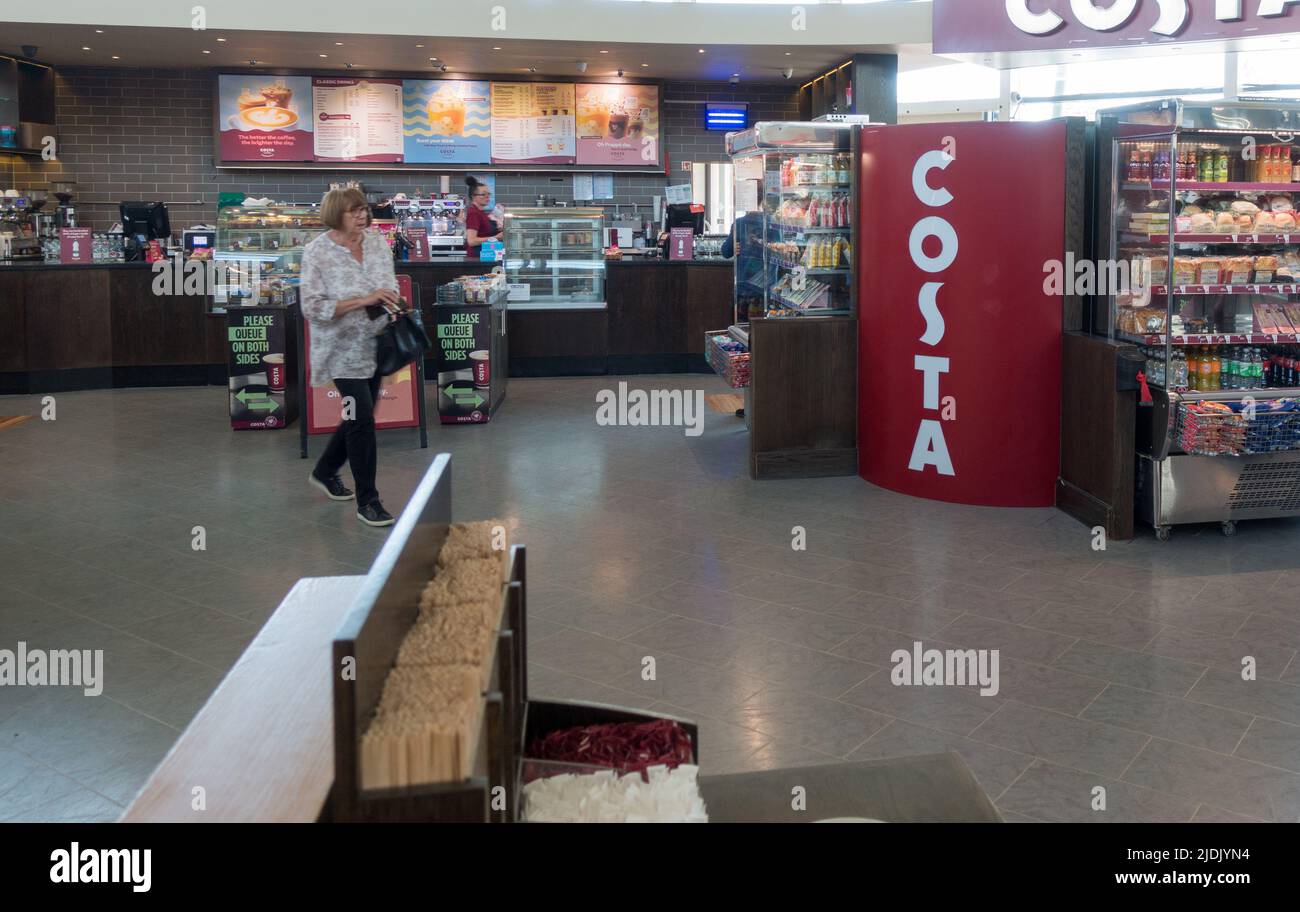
85	49
787	53
419	45
115	57
207	52
604	52
99	31
701	50
338	44
221	39
322	55
645	64
496	49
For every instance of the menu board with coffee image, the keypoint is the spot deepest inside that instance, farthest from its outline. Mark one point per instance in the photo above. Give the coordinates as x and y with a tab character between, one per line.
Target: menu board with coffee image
357	119
618	124
447	120
533	123
265	118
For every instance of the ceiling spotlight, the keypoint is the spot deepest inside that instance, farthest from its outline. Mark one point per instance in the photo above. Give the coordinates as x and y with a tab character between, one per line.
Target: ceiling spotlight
419	45
442	68
115	57
322	55
604	52
787	53
252	63
207	52
701	50
99	31
338	44
221	39
85	48
532	69
496	49
347	66
645	64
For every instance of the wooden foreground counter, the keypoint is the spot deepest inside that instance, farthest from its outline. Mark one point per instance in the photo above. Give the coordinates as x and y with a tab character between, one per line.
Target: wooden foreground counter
262	747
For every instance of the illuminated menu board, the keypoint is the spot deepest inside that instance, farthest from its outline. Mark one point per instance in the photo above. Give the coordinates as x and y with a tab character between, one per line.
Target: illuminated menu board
533	123
357	119
446	120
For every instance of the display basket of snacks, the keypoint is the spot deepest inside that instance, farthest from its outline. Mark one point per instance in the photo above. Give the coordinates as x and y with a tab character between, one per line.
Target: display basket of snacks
1274	428
1210	429
729	358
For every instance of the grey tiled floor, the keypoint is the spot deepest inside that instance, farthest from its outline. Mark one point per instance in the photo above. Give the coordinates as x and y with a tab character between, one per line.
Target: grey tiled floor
1119	669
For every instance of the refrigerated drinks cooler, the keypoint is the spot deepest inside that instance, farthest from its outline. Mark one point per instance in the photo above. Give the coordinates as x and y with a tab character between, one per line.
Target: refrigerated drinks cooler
796	184
794	250
1202	209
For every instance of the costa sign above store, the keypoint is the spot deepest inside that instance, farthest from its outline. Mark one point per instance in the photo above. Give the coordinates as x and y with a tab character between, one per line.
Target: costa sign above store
983	26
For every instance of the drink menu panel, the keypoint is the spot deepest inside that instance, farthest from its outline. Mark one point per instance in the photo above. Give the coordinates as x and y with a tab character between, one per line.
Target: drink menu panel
618	124
357	119
533	123
447	120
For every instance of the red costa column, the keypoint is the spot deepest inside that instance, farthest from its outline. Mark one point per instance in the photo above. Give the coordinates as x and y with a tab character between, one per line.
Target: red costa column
959	369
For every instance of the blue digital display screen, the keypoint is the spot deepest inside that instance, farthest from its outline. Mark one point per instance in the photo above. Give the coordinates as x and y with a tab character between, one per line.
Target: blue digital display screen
726	117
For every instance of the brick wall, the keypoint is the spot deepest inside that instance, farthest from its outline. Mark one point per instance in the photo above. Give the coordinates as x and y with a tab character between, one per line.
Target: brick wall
147	134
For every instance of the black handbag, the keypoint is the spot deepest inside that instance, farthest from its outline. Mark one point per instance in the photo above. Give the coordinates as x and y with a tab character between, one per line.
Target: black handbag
402	342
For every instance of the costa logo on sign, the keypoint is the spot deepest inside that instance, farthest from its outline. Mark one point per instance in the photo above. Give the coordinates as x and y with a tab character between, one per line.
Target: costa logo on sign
1173	14
930	448
1015	25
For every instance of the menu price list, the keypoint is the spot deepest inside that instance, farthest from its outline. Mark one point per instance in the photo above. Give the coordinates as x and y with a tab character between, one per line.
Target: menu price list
358	119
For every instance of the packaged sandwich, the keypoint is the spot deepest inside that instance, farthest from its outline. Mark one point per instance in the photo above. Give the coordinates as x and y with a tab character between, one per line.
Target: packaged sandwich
1237	270
1245	224
1265	269
1184	271
1203	223
1244	207
1225	223
1265	223
1208	271
1284	222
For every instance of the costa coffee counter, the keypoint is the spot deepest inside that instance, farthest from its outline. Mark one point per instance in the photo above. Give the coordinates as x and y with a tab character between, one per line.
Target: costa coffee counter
96	326
67	327
657	313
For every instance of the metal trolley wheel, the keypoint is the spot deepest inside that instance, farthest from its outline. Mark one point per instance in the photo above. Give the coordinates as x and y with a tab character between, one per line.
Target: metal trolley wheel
1163	533
1229	527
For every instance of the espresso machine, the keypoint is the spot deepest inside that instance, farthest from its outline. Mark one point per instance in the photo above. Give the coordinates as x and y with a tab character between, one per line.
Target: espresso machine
18	240
66	214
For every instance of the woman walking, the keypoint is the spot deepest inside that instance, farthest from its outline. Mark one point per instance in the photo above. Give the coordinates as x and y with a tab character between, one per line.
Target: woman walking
344	271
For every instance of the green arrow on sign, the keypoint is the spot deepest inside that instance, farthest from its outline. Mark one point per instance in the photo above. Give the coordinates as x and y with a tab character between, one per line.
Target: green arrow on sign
463	396
246	397
263	405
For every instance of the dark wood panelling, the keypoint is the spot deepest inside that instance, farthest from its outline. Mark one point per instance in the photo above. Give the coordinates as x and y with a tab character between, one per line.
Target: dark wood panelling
139	326
13	323
710	293
557	333
805	403
1098	427
647	309
69	319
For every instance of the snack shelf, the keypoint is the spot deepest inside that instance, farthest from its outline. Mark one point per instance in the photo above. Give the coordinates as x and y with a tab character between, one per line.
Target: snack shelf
1223	238
814	188
804	229
729	357
1210	187
809	270
1215	339
1226	289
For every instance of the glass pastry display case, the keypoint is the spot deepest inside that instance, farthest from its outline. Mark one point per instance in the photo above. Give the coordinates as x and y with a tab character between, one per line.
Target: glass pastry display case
554	258
794	249
1204	277
259	253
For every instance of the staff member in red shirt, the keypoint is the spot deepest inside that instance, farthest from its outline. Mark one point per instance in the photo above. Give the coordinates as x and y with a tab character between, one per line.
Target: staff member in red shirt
478	226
